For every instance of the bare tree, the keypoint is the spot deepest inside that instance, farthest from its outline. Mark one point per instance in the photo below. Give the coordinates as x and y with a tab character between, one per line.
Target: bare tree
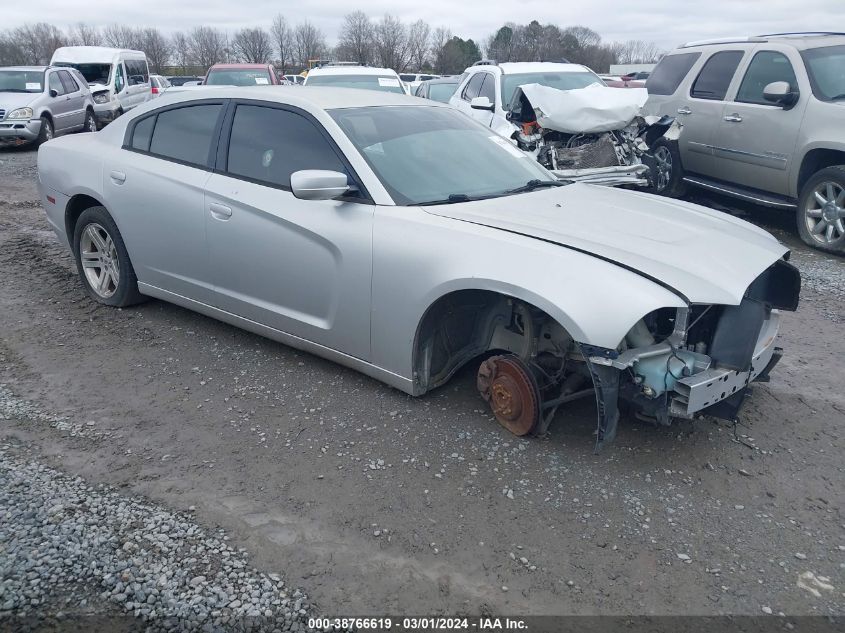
356	38
583	35
439	38
636	52
283	40
253	45
206	45
391	39
157	49
10	52
309	42
419	36
181	47
36	43
83	34
122	36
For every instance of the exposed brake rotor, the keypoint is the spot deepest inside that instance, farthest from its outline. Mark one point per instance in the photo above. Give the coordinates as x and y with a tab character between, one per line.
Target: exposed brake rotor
507	384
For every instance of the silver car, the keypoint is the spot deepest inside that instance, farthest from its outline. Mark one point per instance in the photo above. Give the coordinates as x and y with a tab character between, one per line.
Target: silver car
400	238
40	102
764	120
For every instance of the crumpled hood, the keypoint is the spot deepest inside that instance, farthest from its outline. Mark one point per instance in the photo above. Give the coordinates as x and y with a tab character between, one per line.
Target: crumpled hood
704	255
12	100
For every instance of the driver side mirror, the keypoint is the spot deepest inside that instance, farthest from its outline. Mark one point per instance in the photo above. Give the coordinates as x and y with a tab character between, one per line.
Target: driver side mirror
319	184
781	93
481	103
53	93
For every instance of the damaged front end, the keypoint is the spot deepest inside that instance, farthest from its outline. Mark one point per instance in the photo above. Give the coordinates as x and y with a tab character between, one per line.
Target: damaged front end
679	363
592	134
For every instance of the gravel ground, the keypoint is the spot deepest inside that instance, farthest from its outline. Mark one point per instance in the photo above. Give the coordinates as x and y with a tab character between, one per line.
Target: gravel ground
374	502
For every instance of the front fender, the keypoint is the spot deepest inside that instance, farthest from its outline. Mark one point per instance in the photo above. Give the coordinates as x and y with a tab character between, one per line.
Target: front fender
419	258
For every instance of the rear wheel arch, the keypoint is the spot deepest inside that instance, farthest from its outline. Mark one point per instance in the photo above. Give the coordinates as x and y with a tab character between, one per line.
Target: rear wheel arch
75	207
815	160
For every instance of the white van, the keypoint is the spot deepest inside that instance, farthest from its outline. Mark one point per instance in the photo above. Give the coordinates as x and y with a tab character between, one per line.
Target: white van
119	78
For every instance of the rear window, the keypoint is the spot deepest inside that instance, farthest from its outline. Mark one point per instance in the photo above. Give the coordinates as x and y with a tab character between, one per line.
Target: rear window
142	134
715	76
670	72
235	77
441	92
367	82
185	134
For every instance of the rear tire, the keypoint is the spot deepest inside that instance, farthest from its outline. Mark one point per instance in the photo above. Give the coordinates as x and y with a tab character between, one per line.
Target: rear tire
103	261
90	124
821	210
668	173
46	133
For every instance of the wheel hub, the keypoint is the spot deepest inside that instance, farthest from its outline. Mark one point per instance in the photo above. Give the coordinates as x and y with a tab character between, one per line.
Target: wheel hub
830	212
507	384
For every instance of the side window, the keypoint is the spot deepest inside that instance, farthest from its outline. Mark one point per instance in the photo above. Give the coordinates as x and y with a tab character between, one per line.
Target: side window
488	88
119	81
296	143
766	67
473	87
715	76
670	72
68	81
185	134
142	134
55	83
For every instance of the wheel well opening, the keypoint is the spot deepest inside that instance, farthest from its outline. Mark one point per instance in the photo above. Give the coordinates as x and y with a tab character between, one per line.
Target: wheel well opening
75	206
468	324
815	160
47	115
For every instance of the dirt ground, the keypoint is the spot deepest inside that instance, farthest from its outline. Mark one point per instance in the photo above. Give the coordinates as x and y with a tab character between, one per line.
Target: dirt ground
375	502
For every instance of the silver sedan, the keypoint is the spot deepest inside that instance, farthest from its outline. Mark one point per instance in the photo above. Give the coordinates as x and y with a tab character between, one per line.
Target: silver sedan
405	240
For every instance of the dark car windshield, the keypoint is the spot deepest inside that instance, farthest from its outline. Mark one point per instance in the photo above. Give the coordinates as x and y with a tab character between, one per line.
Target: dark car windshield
21	81
238	77
826	67
559	80
442	92
93	73
367	82
430	153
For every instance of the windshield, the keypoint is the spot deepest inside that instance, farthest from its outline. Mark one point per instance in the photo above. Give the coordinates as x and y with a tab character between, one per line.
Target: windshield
441	92
559	80
367	82
428	153
93	73
826	67
239	77
21	80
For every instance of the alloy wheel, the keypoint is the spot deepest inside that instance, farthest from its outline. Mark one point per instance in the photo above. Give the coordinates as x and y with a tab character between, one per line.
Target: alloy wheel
100	261
824	213
663	160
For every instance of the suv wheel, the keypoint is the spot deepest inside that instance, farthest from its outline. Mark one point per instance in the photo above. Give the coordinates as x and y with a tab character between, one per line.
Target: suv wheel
821	210
46	132
90	122
668	174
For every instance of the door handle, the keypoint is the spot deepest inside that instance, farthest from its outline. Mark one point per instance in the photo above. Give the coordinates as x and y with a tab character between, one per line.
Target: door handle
220	211
733	118
684	110
118	177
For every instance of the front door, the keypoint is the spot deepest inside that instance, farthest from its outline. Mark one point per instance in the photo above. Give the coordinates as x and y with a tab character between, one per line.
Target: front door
755	142
303	267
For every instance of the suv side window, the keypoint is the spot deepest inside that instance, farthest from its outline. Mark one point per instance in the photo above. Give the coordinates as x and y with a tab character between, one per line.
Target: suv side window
488	88
68	81
185	134
473	87
715	76
55	83
296	143
766	67
670	72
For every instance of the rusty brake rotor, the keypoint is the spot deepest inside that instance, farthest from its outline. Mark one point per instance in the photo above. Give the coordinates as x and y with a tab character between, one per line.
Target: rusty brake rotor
507	384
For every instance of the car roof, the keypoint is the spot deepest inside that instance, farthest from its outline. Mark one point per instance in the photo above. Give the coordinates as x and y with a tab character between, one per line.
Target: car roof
513	68
26	68
798	40
240	66
92	54
319	97
351	70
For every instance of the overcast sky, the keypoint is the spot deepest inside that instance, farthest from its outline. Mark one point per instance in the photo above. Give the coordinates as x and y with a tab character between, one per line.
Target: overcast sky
665	22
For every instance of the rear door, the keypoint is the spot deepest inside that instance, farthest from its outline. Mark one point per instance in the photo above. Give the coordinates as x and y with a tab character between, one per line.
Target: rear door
59	104
755	140
701	110
75	98
155	187
303	267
